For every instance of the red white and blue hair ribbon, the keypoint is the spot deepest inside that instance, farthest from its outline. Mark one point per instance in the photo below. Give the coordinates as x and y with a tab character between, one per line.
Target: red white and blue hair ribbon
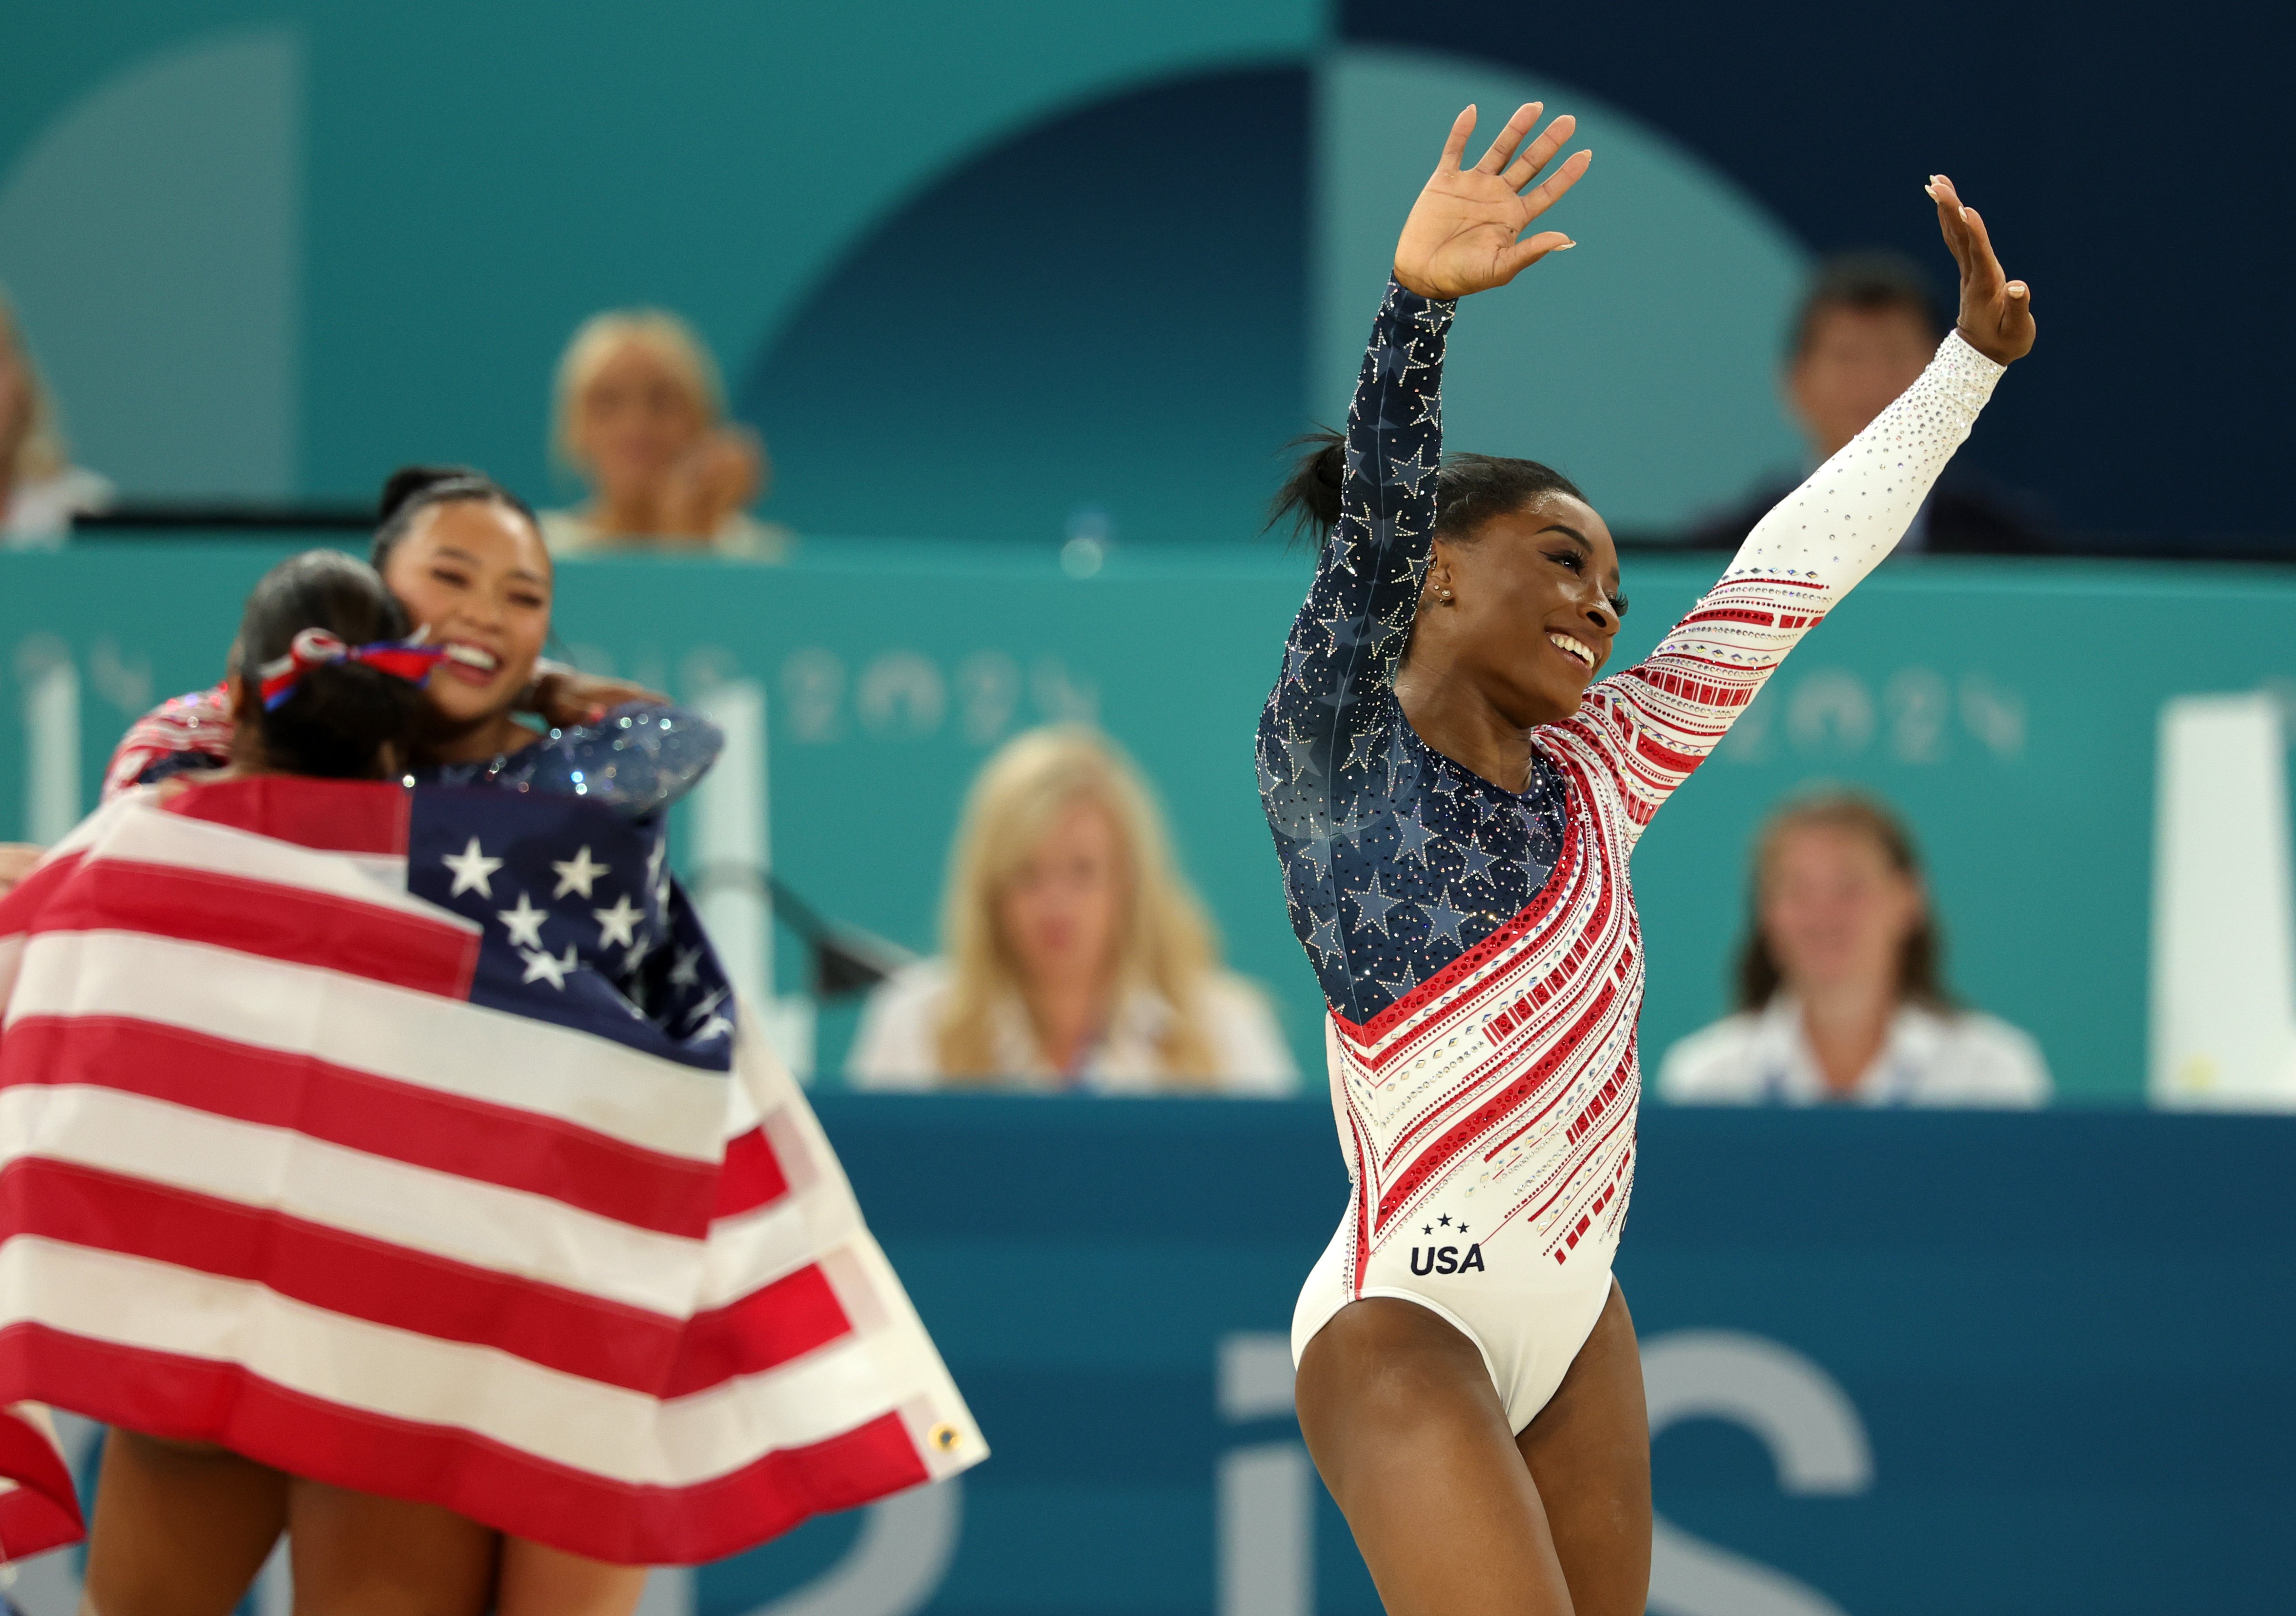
408	659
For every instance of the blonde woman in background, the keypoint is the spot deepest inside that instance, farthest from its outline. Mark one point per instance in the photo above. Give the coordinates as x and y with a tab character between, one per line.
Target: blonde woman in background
40	489
1840	990
640	415
1076	957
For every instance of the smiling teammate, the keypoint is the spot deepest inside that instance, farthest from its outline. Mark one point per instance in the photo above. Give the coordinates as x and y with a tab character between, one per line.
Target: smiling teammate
465	557
1454	799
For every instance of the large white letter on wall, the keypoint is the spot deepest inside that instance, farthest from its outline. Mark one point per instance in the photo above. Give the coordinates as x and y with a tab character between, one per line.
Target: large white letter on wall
2224	960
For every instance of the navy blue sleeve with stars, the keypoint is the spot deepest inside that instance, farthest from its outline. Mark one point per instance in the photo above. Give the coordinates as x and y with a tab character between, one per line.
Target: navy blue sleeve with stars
640	759
1396	860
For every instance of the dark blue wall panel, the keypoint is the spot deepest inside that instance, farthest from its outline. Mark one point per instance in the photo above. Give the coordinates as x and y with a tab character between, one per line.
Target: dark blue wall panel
2130	161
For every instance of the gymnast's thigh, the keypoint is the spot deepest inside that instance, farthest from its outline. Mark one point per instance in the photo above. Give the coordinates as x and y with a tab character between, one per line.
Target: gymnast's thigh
1408	1432
356	1553
180	1528
1588	1450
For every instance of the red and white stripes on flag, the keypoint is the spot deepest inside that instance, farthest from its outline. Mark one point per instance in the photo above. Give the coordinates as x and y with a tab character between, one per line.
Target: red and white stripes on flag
268	1179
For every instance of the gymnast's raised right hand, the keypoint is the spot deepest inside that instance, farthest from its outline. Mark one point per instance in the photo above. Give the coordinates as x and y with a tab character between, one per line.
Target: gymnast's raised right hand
1461	235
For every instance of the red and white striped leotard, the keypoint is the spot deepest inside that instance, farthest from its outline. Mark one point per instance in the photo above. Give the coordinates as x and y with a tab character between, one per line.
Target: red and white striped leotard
1478	947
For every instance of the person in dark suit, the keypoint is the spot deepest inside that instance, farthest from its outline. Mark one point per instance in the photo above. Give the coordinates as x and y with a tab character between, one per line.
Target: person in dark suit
1865	328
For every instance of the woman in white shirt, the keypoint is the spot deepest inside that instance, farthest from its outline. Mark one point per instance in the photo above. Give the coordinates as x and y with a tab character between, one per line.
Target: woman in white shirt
1076	957
640	414
1839	991
40	489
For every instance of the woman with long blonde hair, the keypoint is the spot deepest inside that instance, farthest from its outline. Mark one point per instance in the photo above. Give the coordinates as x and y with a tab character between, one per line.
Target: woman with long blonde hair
1076	955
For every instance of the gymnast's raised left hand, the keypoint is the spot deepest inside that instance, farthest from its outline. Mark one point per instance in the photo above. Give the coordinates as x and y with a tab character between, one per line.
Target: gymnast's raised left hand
1996	313
1462	234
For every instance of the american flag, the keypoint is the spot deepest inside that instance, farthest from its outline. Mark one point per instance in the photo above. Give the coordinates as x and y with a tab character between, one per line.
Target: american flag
412	1141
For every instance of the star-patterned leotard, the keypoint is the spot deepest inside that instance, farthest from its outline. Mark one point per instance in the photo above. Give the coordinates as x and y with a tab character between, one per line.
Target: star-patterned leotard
1477	947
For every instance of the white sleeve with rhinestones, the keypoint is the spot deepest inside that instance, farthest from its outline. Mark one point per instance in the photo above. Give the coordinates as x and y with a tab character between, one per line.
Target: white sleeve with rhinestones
1651	724
1838	525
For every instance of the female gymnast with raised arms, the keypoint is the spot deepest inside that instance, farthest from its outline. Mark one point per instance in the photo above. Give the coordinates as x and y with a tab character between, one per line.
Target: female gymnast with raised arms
1455	797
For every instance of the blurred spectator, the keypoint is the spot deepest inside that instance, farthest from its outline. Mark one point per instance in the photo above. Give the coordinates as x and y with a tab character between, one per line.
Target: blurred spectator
1076	957
40	489
1839	991
1865	330
640	415
16	861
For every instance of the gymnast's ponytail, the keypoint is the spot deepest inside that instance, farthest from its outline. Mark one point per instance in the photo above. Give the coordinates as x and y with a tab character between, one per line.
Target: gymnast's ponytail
336	715
1309	498
1470	490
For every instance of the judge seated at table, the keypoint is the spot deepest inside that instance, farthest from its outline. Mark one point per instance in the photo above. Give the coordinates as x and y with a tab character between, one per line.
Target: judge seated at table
1075	957
1841	998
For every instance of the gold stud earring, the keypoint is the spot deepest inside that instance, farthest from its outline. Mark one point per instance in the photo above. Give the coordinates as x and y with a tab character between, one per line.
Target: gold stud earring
1445	596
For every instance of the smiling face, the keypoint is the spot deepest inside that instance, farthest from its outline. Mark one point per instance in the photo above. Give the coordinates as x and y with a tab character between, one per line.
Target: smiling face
474	575
1835	911
1535	604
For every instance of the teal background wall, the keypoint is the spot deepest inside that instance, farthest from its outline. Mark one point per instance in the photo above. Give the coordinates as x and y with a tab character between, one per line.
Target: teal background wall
986	272
990	271
2008	708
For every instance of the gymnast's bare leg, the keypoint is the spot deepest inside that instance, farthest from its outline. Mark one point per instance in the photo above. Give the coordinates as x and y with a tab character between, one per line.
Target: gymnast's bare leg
1409	1434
